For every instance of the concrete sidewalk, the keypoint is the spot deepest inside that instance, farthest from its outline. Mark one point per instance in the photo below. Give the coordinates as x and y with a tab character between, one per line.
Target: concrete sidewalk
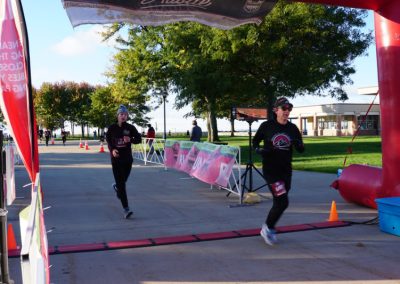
84	210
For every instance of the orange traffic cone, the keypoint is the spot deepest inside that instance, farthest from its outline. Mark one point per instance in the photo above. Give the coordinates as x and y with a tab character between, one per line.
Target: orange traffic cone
333	216
86	145
101	148
52	141
11	242
80	143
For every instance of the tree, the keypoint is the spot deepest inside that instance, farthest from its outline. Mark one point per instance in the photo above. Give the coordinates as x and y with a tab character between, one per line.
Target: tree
49	102
57	102
102	111
298	49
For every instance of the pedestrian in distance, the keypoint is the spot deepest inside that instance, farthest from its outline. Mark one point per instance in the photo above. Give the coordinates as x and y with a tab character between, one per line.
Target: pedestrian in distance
47	135
279	137
196	132
120	136
63	136
150	136
41	135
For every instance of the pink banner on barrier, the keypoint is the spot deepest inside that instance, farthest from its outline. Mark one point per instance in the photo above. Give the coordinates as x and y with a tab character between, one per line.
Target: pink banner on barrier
171	153
214	164
224	161
184	148
191	158
204	161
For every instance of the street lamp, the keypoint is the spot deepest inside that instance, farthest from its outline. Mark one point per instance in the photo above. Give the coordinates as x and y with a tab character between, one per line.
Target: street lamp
164	95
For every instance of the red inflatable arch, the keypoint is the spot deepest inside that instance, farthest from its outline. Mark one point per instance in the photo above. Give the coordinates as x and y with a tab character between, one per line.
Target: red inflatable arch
362	184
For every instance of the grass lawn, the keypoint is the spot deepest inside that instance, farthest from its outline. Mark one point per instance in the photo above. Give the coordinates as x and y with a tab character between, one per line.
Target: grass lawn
323	154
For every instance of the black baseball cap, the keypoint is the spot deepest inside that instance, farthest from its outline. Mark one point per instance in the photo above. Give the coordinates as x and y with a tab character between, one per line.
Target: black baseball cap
282	101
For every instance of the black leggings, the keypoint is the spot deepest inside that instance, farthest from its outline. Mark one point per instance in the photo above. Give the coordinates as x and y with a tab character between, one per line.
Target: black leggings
279	206
121	171
279	203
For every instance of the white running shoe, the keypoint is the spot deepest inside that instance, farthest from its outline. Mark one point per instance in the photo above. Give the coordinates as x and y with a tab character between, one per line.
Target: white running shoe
127	213
114	186
269	235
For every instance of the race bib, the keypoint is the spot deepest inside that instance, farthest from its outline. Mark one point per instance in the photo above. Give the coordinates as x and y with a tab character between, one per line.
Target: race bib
278	188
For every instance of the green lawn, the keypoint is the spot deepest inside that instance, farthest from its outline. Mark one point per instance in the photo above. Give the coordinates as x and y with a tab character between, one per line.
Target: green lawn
323	154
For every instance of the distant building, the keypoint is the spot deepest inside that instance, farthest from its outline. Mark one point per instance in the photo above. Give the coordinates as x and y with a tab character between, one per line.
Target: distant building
339	119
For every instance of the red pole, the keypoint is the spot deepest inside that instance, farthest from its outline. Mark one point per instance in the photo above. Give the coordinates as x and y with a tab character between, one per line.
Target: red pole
387	31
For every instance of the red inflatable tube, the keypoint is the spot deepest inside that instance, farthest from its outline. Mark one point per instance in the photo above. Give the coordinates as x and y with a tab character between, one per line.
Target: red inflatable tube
360	184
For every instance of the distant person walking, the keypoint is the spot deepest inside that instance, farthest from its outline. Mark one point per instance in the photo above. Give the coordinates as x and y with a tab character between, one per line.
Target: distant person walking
196	132
150	136
40	135
120	136
63	136
47	135
279	136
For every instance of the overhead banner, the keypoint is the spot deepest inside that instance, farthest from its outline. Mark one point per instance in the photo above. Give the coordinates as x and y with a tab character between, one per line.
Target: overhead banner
221	14
14	91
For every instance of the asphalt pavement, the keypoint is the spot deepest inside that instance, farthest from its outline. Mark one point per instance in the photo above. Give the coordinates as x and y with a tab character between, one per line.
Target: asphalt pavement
82	212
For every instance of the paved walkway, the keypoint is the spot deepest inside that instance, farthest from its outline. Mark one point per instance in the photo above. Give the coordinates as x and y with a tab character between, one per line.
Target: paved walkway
84	210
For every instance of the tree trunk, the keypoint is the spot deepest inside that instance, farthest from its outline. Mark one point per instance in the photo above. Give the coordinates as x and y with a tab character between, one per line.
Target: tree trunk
83	130
270	107
232	127
212	123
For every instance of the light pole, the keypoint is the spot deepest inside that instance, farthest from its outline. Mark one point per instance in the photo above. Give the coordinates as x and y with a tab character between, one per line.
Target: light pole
164	95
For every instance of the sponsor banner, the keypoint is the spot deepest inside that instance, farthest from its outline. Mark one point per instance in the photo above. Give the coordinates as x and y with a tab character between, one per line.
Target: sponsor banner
191	157
9	177
224	161
184	148
216	13
214	165
200	169
171	153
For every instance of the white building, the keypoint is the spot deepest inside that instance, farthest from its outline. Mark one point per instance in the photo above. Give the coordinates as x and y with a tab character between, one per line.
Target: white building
338	119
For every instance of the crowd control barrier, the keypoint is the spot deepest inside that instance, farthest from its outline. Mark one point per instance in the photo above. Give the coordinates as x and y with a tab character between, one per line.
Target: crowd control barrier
151	150
210	163
217	165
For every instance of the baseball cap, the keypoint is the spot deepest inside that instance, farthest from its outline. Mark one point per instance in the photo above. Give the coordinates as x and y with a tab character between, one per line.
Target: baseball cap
122	109
282	101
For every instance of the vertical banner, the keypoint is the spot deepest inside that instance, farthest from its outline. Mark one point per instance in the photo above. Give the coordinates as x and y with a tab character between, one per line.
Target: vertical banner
171	153
15	93
184	148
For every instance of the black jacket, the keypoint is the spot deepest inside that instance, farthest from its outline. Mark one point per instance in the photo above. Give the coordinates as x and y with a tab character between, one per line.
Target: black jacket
279	141
115	140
